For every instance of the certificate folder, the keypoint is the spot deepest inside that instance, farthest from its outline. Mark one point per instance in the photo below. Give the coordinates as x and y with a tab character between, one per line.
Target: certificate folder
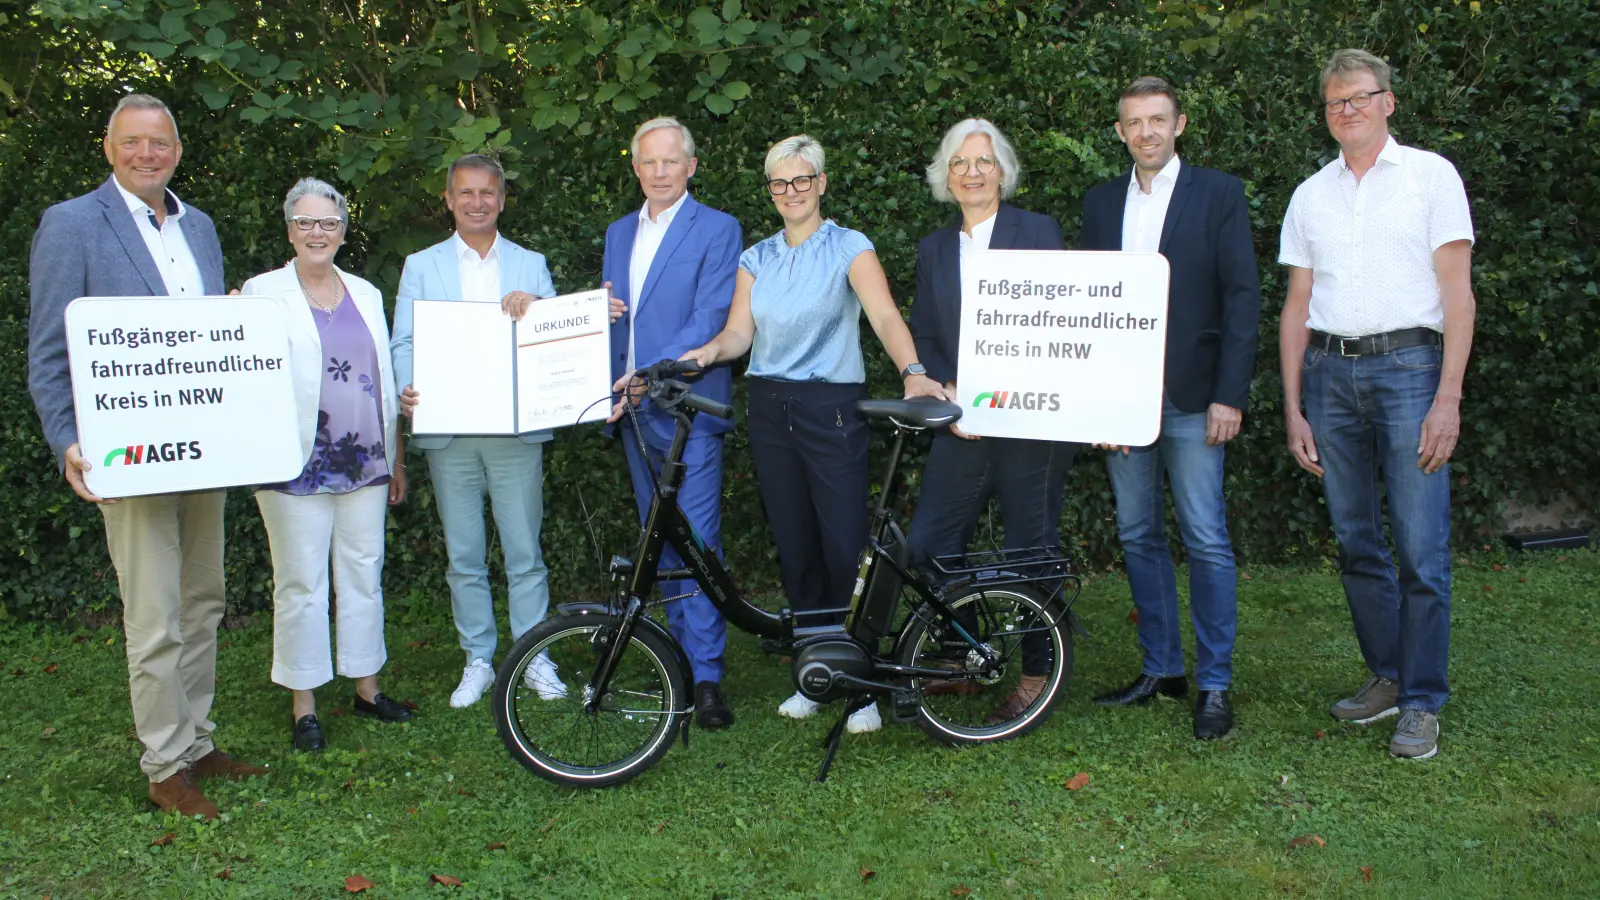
477	372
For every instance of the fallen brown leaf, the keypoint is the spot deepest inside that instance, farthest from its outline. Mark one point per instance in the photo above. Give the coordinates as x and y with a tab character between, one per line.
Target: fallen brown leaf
1321	734
412	810
164	840
960	890
338	712
1487	589
50	669
78	639
48	730
1133	616
464	792
355	884
1077	782
225	874
494	845
349	783
659	826
225	645
446	880
867	874
549	825
1366	873
416	645
1307	840
409	704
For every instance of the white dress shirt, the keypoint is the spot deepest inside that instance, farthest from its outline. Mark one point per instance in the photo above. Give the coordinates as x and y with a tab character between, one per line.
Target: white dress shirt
166	243
480	275
646	242
1144	215
1370	244
979	238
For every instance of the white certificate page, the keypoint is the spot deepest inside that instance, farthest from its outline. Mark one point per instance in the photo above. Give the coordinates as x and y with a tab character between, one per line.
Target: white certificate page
563	365
463	357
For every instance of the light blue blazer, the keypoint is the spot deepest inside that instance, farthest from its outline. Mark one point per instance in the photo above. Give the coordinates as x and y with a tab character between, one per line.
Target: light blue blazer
435	274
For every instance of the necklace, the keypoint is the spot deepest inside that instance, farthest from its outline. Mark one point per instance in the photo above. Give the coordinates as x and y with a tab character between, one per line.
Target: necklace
327	308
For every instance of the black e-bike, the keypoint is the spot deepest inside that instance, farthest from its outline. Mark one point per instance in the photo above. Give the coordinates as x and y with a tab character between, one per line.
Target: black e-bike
944	647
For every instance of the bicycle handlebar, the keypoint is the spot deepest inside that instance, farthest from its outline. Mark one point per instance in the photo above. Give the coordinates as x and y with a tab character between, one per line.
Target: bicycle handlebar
666	389
708	406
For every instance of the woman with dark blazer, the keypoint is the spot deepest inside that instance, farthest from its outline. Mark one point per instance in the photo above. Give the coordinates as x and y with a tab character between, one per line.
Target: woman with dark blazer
976	169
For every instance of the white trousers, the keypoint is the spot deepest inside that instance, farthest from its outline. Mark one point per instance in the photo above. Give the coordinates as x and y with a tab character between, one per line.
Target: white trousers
303	533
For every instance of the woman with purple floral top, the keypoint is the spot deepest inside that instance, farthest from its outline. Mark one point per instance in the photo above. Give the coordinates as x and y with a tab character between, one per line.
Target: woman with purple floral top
335	510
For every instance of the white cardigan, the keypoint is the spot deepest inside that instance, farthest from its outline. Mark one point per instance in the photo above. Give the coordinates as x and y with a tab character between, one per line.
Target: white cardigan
305	349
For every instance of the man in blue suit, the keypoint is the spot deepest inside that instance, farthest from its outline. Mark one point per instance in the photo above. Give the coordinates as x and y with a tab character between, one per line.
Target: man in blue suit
1197	218
673	263
479	265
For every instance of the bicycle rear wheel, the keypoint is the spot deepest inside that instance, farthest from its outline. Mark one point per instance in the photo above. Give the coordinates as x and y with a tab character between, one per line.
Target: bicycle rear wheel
546	725
1024	628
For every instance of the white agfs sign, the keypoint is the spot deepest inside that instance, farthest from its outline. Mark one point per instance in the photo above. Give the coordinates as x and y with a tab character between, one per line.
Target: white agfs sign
1063	345
182	394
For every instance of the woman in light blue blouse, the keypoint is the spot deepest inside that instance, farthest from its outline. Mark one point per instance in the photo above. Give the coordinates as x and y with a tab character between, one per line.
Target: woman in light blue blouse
797	308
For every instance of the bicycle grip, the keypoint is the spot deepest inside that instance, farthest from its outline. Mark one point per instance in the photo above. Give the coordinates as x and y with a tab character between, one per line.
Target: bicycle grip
708	406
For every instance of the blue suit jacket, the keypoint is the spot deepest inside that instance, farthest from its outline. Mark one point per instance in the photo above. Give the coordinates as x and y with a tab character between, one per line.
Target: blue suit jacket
936	307
89	246
685	302
1214	305
435	274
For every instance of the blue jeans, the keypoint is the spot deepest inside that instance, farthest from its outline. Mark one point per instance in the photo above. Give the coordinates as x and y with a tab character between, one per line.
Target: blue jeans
512	474
1194	470
695	621
1366	416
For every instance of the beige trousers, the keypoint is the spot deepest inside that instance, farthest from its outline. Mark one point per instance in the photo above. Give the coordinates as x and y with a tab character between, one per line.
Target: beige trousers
168	553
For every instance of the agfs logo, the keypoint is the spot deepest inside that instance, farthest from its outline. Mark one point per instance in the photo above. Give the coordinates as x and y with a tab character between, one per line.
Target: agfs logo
137	454
1019	400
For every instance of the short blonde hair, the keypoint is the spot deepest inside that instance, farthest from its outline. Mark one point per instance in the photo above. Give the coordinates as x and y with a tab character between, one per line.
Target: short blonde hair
1344	63
939	169
662	122
803	147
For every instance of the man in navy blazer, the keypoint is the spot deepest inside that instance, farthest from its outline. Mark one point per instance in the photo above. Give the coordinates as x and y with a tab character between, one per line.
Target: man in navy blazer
673	264
1197	218
132	237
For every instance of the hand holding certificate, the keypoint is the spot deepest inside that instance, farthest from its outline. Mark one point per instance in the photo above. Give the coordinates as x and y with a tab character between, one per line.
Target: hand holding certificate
479	372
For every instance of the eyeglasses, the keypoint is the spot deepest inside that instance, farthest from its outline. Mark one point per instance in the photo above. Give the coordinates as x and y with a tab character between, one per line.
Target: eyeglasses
329	223
1357	101
801	183
960	165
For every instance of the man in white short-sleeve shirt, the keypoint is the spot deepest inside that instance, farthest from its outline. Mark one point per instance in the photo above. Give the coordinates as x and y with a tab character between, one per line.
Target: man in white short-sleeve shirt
1375	335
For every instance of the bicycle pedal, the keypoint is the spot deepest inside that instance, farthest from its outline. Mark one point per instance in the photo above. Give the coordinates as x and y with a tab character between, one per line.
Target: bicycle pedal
904	706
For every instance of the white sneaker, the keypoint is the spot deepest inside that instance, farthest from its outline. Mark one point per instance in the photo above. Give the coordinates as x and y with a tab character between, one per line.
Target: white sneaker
540	675
798	707
475	679
864	720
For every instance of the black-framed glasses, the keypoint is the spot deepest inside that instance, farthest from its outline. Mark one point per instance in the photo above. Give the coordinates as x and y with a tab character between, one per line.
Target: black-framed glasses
801	183
1358	100
961	165
329	223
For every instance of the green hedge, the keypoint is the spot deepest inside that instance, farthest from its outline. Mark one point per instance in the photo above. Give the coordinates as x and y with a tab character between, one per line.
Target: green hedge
379	104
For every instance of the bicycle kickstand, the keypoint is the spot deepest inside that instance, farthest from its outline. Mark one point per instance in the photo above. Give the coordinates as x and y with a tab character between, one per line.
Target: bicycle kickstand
836	734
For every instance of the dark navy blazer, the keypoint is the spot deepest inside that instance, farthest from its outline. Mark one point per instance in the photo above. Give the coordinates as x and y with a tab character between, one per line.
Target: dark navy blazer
1214	305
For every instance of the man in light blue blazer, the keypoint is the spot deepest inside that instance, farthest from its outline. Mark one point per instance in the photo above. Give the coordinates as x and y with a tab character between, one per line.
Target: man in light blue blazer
673	263
478	264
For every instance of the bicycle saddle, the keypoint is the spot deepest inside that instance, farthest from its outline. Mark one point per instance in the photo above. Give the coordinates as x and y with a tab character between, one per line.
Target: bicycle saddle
915	412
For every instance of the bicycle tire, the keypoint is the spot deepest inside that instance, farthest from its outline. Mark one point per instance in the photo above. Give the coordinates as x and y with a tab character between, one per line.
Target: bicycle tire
1053	617
644	646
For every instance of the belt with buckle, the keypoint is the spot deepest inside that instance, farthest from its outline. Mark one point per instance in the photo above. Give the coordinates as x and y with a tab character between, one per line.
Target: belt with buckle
1371	344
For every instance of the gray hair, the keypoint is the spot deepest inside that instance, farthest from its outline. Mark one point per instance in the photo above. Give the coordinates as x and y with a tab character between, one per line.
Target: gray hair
1344	63
939	169
474	161
803	147
315	187
662	122
142	101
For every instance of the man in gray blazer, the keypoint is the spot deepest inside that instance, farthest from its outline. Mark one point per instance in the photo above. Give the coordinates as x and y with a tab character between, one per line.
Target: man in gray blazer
133	237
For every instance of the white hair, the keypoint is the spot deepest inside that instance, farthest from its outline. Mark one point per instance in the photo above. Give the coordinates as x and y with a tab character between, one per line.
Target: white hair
315	187
662	122
939	169
142	101
803	147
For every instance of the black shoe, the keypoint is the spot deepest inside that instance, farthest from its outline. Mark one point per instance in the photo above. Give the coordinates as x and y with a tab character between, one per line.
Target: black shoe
308	734
710	710
383	709
1143	688
1213	715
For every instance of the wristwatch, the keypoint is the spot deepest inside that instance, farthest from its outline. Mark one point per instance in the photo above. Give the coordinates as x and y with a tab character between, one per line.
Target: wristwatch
913	369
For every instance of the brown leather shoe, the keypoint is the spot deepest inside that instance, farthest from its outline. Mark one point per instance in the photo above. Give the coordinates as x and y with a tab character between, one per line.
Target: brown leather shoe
181	792
217	764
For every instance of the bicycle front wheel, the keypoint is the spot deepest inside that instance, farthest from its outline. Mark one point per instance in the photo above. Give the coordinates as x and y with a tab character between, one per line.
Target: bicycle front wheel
1028	633
542	712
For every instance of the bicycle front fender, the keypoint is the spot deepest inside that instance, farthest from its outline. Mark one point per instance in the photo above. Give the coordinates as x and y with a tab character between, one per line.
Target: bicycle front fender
645	622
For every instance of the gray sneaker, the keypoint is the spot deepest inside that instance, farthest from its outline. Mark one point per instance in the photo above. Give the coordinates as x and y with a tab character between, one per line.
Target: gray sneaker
1375	700
1417	735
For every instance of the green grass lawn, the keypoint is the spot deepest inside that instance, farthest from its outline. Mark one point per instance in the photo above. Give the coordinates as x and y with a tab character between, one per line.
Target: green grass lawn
1509	808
